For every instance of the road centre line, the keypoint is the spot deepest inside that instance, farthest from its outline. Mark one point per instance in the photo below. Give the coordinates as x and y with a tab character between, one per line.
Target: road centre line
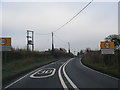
69	80
61	79
97	71
65	86
66	76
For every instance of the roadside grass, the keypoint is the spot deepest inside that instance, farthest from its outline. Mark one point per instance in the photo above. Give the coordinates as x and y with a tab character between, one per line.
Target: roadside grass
96	61
19	62
16	67
112	70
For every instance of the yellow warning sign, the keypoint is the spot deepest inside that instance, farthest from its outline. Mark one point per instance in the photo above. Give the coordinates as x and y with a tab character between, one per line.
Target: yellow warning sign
5	41
107	45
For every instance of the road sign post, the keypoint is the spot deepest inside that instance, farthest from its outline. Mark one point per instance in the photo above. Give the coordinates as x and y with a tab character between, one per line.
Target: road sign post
5	45
107	49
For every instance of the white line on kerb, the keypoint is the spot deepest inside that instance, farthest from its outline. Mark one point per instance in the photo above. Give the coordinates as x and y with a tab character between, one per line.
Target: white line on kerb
97	71
69	80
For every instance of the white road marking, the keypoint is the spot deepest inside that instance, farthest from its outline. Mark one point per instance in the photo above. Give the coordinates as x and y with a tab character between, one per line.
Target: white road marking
61	79
97	71
27	75
20	79
59	72
69	80
66	76
48	71
53	72
43	71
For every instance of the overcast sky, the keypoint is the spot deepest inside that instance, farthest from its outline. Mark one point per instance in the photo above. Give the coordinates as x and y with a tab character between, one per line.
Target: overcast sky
91	26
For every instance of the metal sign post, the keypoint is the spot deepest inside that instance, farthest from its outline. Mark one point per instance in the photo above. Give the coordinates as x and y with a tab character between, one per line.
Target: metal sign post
5	45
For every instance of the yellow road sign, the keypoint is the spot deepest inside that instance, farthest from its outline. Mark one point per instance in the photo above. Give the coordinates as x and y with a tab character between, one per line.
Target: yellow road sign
6	41
107	45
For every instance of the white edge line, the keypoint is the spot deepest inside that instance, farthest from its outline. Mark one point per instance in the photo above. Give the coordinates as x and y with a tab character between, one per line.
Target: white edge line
26	76
32	76
97	71
20	78
69	80
61	79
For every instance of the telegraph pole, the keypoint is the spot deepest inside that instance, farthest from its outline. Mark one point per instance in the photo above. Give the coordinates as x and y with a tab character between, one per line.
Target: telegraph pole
68	47
30	40
52	43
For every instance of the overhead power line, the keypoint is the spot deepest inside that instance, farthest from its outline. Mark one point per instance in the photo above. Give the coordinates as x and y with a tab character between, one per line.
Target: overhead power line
67	21
42	33
47	42
67	43
60	39
74	16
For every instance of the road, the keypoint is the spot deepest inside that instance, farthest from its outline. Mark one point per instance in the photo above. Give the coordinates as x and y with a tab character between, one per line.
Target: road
67	74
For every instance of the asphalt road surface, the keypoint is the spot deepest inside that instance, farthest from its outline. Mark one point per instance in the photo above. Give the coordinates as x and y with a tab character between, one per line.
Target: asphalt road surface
66	74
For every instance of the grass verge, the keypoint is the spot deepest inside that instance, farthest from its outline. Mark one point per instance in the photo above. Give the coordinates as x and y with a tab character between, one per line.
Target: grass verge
15	69
112	71
98	64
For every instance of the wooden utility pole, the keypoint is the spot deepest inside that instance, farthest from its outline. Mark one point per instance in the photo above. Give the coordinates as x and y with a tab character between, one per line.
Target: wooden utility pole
68	47
52	43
